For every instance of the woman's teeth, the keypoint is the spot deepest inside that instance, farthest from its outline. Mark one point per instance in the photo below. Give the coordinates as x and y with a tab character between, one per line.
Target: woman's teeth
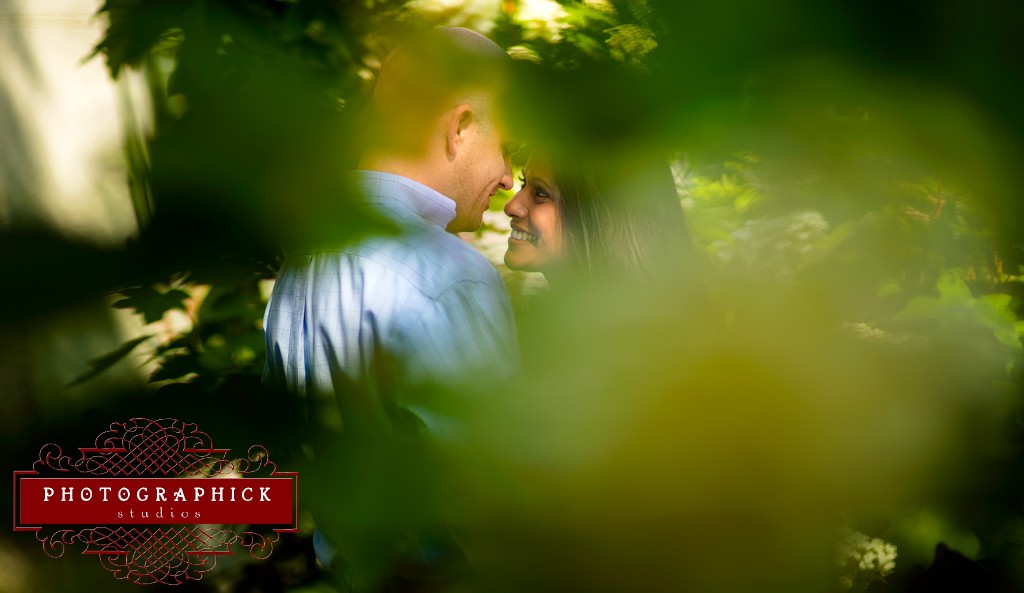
523	236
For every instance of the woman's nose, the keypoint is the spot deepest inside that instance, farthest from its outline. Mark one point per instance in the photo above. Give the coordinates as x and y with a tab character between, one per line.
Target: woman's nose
514	208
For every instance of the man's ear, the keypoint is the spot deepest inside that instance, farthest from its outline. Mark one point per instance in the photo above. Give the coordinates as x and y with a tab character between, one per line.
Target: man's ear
459	121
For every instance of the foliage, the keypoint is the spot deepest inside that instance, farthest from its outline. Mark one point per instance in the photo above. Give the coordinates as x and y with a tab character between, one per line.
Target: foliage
222	57
814	178
918	270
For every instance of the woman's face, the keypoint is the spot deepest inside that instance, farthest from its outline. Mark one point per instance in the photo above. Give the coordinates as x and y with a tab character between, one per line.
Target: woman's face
536	242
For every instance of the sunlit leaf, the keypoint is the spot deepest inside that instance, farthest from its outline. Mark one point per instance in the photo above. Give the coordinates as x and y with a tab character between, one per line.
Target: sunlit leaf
151	303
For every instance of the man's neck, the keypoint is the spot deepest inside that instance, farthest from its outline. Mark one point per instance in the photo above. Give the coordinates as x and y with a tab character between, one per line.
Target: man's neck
417	170
421	170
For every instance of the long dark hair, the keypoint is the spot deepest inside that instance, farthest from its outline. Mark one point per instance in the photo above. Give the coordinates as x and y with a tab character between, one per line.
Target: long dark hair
621	216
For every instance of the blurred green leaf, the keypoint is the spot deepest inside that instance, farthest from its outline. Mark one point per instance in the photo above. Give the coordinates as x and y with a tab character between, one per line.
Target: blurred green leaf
102	363
956	308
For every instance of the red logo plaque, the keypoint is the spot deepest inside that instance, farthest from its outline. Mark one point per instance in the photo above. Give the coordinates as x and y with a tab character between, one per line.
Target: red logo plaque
158	501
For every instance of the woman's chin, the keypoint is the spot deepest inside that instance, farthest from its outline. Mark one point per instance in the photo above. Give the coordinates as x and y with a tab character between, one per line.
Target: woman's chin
516	263
512	264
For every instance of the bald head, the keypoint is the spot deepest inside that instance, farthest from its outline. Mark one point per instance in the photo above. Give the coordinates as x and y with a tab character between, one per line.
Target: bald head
442	58
427	74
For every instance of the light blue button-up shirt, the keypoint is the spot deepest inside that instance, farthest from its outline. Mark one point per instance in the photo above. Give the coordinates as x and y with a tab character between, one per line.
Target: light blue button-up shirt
429	300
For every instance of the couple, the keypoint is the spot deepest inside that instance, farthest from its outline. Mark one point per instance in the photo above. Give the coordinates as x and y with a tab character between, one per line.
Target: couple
438	148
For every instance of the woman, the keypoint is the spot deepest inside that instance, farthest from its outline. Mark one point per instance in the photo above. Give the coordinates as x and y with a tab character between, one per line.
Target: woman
610	237
597	218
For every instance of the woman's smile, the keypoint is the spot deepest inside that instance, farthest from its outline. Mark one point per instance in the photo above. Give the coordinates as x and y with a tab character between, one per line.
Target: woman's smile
519	235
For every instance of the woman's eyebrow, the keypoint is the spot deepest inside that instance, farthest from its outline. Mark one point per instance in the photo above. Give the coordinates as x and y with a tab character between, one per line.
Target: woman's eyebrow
540	180
528	174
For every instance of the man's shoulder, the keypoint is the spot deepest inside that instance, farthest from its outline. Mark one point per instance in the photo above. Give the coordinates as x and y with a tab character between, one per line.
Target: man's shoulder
441	259
462	262
424	260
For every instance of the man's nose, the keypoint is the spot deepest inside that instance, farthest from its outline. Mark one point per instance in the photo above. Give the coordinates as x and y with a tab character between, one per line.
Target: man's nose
506	178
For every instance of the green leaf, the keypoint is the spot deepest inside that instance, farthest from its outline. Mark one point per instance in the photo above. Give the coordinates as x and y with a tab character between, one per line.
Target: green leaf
135	27
994	311
952	288
102	363
175	367
955	308
954	302
230	304
151	303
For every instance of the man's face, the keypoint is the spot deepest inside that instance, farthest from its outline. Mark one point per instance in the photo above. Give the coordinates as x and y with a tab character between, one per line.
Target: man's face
483	165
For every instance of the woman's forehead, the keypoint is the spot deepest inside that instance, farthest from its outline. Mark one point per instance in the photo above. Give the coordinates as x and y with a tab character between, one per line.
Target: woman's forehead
537	165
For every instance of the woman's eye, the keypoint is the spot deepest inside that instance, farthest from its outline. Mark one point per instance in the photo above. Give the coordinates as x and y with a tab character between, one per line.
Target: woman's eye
539	194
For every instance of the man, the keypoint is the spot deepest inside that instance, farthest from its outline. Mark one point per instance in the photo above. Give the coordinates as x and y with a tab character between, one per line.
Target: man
398	321
437	150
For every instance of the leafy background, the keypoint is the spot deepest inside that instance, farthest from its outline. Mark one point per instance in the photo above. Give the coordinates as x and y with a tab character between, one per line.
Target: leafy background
850	172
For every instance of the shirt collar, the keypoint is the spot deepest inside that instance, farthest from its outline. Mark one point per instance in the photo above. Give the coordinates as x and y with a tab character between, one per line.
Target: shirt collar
404	197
